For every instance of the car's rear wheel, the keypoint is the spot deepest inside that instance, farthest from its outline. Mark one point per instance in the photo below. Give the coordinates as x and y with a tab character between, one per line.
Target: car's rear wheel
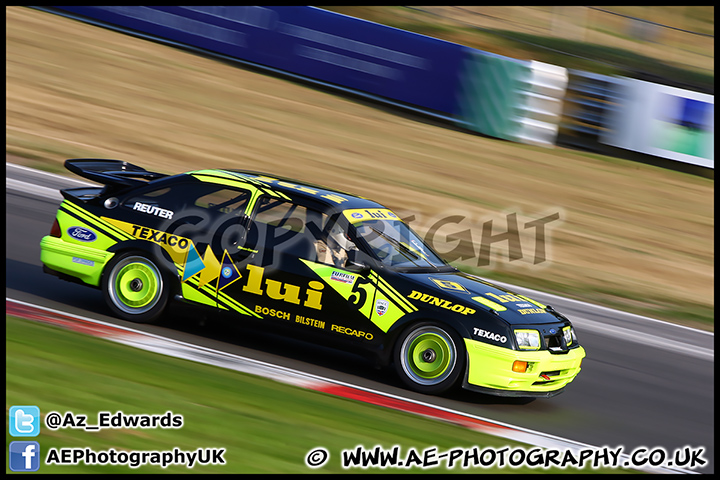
429	358
134	288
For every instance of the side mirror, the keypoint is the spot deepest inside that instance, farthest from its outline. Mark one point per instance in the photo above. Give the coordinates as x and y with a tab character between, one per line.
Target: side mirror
359	268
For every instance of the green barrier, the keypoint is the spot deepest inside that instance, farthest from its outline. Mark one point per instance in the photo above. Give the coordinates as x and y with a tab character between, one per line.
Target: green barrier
491	94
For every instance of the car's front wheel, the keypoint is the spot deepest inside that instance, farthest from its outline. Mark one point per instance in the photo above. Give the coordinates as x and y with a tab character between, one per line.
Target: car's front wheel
134	288
429	358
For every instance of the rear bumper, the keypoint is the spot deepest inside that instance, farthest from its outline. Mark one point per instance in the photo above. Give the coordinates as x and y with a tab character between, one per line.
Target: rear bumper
490	370
78	261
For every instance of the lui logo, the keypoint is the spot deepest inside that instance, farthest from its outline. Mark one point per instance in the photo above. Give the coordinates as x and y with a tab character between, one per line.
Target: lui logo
286	292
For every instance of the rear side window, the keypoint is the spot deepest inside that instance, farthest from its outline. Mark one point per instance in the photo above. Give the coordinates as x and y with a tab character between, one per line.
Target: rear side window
169	202
224	201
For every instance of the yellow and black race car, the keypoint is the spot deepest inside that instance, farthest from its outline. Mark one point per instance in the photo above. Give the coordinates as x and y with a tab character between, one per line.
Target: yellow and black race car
332	265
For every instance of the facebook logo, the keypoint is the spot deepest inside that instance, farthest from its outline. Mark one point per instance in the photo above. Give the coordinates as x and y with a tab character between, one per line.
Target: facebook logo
24	456
24	421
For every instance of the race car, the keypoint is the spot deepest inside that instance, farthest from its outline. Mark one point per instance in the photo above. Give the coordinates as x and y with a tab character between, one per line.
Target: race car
338	268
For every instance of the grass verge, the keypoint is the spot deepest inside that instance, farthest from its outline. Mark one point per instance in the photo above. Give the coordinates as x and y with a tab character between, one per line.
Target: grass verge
265	426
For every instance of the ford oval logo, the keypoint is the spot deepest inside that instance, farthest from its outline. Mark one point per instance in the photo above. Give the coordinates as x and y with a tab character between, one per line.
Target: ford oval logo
82	234
552	331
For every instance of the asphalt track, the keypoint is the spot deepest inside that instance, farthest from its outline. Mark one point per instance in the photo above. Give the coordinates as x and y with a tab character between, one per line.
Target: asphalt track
644	383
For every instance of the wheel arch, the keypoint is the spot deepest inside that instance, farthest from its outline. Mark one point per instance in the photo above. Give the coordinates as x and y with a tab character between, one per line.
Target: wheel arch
404	331
461	326
156	253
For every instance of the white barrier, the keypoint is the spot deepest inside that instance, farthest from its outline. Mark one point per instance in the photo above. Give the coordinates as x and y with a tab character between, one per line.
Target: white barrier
542	110
663	121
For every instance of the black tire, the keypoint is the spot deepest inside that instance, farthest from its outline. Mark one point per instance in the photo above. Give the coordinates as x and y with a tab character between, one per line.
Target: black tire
429	358
135	288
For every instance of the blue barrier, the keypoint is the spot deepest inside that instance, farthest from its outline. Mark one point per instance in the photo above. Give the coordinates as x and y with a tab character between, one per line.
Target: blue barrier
310	42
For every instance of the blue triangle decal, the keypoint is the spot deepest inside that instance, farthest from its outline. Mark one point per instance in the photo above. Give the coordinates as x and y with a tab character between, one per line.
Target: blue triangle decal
193	263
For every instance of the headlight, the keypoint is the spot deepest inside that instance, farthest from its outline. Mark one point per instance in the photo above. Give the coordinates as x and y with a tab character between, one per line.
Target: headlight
528	339
569	334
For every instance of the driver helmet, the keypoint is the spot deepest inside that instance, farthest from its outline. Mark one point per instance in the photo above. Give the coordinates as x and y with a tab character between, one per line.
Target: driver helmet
338	235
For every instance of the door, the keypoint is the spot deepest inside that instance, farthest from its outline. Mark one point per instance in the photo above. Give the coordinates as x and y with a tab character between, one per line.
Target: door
297	274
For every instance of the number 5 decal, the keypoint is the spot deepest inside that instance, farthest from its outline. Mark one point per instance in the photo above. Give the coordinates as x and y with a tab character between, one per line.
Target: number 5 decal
362	295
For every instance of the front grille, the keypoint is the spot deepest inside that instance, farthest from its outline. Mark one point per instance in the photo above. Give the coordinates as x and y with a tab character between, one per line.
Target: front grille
554	342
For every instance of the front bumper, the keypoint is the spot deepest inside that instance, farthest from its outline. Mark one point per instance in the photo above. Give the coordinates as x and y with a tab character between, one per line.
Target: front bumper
490	370
78	261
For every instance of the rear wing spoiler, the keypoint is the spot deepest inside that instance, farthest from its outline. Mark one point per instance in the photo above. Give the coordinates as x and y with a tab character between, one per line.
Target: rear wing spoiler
116	174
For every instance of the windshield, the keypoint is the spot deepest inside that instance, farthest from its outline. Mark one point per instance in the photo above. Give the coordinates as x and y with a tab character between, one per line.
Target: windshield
392	241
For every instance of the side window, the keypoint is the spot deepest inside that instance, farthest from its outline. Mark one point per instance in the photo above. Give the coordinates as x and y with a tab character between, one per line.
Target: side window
281	214
293	229
288	228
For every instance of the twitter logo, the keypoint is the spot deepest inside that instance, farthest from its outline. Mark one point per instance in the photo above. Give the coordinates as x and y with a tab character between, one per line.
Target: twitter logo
24	421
